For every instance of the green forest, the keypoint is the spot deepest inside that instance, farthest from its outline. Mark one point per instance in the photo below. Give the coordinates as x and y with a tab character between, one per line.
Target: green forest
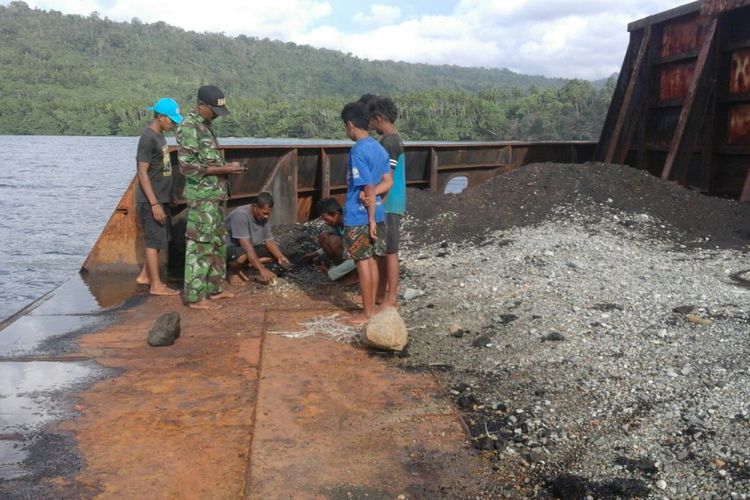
87	75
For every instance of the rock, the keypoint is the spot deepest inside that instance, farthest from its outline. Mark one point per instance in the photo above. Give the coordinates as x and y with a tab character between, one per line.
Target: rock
697	320
574	264
484	443
568	486
386	330
553	337
661	484
165	330
412	293
622	487
467	401
456	330
482	341
504	319
536	457
683	309
500	407
462	387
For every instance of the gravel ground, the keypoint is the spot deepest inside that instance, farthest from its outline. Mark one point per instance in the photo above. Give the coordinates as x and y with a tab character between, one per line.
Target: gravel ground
593	324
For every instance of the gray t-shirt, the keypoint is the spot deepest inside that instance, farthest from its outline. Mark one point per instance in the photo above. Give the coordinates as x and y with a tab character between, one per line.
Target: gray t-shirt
240	223
153	149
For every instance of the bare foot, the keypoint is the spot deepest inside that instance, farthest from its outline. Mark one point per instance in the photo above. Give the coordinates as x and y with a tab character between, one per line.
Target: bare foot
142	281
203	304
236	280
163	290
357	319
222	295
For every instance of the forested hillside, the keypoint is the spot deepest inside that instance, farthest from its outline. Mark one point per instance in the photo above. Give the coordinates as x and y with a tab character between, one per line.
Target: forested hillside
75	75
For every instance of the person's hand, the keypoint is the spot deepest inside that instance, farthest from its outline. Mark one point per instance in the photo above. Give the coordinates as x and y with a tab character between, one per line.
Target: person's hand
310	256
158	212
365	200
266	275
373	231
235	167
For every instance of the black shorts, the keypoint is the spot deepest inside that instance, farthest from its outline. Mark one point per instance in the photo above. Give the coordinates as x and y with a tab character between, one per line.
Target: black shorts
235	251
155	235
392	232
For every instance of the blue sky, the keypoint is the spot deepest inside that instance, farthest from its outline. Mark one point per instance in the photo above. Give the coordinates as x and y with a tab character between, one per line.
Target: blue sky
563	38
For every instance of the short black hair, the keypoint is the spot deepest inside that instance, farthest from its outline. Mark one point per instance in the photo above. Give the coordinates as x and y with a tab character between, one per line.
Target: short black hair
264	199
384	107
329	206
357	113
368	99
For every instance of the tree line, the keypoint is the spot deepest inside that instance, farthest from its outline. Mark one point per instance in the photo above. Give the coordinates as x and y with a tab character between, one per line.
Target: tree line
85	75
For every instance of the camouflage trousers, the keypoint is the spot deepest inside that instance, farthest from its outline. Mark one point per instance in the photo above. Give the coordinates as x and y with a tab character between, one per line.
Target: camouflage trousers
205	251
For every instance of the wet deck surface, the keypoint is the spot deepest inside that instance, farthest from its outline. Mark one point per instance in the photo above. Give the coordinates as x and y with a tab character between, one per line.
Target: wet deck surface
228	411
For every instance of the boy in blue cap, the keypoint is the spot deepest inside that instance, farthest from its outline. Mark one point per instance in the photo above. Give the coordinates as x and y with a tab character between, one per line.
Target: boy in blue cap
154	191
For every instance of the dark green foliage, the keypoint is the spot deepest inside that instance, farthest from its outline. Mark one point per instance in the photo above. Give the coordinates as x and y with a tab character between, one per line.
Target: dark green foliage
75	75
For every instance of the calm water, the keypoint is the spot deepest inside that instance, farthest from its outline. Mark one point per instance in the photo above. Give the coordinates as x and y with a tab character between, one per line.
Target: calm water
56	195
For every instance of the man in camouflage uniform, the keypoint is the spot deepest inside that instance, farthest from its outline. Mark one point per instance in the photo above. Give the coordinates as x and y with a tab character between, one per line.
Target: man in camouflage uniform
205	189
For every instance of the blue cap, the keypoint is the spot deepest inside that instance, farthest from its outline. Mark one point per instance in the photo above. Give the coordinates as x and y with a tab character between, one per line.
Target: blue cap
167	107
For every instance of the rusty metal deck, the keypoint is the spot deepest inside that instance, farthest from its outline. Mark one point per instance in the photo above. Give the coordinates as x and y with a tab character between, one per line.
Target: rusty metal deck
232	411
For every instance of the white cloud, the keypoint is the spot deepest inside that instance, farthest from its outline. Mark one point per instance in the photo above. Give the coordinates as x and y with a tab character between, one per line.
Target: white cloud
567	38
280	19
378	16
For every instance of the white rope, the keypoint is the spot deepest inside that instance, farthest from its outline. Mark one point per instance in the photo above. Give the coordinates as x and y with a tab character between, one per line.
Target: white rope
324	326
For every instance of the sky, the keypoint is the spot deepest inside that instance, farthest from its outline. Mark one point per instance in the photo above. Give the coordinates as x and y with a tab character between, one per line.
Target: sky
555	38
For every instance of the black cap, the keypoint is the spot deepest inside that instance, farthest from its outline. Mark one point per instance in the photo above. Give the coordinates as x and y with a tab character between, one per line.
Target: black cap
214	97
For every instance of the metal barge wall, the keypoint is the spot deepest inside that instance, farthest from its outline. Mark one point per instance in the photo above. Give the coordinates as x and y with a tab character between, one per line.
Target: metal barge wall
300	175
681	108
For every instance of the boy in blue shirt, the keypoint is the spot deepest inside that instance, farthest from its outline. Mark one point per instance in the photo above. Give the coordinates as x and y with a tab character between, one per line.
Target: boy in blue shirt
364	231
383	115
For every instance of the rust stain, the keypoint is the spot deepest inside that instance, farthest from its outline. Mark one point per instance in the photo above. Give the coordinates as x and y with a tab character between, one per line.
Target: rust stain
682	37
120	244
317	418
349	423
738	132
674	81
739	81
177	422
713	7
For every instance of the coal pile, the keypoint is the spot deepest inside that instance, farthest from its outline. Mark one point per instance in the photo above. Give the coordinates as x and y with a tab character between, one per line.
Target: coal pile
593	326
529	195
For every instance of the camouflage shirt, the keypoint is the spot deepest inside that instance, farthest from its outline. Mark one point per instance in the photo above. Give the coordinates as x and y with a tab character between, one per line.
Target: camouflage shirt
199	149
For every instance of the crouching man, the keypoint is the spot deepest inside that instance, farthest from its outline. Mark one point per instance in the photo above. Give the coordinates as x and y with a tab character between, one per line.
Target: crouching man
331	242
250	241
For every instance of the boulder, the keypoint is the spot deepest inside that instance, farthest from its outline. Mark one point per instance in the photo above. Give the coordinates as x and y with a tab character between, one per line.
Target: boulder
386	330
165	330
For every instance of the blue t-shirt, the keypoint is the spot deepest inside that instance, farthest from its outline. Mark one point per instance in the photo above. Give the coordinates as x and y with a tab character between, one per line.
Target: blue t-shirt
368	162
395	202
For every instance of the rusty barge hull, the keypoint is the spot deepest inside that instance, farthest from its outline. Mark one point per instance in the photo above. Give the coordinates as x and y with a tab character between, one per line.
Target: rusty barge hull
681	108
298	175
